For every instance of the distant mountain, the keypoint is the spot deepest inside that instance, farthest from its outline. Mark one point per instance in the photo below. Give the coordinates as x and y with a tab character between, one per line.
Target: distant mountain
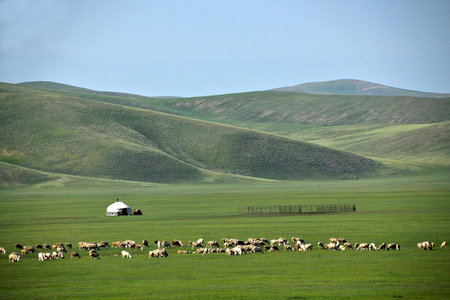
354	87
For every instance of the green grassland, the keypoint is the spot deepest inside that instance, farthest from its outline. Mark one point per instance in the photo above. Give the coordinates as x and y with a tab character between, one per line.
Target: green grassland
66	153
403	210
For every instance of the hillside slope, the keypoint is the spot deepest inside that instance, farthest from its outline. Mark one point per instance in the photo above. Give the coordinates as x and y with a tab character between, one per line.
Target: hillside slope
296	108
355	87
70	135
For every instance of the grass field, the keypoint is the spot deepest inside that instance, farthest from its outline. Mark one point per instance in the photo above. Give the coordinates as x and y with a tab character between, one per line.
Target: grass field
404	210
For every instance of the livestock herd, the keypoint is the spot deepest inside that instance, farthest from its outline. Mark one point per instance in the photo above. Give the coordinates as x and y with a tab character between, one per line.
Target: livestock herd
230	247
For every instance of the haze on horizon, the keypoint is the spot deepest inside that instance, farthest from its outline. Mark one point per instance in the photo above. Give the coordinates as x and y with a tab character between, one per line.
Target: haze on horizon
199	48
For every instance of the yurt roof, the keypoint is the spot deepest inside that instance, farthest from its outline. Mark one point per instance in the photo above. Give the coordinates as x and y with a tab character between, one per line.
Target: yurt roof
117	205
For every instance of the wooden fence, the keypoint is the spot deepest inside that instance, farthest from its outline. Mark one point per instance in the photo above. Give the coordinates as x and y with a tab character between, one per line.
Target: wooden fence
298	209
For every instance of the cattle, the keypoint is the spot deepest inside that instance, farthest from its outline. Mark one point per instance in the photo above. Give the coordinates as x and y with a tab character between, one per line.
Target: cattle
126	254
177	243
382	247
14	257
158	253
2	250
444	245
74	254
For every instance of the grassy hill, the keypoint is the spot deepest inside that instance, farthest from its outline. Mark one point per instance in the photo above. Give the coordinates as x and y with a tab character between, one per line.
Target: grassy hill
57	133
294	108
355	87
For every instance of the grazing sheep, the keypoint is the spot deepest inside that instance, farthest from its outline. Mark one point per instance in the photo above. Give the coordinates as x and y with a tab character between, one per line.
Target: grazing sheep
382	247
332	246
158	253
256	249
333	240
304	247
2	250
212	244
74	254
48	256
288	248
362	246
18	246
161	244
273	248
177	243
320	245
393	246
93	254
444	245
145	243
184	252
348	246
342	240
426	245
296	240
39	246
139	247
69	245
58	255
103	244
372	247
14	257
46	246
41	257
126	254
196	244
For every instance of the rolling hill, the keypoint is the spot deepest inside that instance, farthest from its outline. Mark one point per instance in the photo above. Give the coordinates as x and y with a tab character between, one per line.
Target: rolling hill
355	87
48	131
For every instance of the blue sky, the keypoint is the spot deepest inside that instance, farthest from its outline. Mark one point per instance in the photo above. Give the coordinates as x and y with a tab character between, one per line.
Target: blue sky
198	48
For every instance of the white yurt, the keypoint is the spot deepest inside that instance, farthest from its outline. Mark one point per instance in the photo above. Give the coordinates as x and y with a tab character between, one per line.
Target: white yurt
118	208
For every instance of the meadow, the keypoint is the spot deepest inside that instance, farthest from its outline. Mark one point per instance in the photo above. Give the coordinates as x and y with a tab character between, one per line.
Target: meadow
404	210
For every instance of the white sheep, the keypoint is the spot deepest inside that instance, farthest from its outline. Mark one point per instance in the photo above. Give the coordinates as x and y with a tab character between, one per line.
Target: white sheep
126	254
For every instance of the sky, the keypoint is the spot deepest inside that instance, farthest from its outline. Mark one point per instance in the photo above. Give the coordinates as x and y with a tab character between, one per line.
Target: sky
199	48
